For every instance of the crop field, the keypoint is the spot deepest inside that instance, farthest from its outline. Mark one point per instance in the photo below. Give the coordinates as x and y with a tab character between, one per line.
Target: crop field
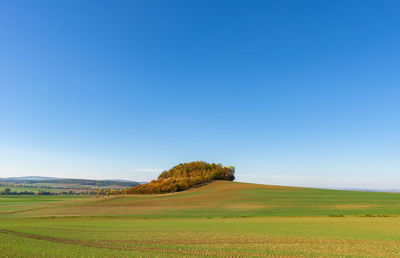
219	219
307	237
230	199
26	188
14	204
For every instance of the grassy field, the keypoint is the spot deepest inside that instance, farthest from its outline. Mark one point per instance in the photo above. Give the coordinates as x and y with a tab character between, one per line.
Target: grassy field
29	189
13	204
220	219
230	199
93	237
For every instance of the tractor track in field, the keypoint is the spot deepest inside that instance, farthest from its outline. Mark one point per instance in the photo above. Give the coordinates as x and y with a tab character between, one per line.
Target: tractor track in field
21	211
143	249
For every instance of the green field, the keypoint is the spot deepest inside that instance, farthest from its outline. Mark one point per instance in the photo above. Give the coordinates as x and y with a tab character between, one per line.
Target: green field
220	219
16	203
29	188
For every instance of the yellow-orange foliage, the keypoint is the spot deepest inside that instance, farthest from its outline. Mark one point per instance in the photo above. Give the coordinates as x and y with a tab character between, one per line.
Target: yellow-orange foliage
185	176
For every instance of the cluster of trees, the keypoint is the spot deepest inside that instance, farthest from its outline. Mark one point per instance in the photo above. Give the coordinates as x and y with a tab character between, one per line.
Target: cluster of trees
108	192
89	192
40	192
7	191
184	176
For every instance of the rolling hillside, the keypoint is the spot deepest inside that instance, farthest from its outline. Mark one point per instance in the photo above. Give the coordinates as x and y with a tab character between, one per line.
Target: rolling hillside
222	218
226	199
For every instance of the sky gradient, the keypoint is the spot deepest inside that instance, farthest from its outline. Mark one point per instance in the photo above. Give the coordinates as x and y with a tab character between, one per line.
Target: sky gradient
302	93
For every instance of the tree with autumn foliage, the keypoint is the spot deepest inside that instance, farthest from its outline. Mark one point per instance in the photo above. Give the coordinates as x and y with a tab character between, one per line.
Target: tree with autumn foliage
185	176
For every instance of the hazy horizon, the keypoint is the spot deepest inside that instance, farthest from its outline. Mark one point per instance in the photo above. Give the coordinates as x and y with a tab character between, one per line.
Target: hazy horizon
300	93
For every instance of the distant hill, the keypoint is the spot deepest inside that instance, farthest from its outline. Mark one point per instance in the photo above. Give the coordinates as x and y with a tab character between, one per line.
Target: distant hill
185	176
55	180
26	179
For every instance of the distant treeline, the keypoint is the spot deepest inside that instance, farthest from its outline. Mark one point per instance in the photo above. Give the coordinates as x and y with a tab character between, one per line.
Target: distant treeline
8	191
184	176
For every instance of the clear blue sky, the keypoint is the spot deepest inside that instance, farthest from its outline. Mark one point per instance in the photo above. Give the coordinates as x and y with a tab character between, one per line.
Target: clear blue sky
289	92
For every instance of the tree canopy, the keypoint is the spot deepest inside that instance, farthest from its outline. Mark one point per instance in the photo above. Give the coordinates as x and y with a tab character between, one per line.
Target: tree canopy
185	176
